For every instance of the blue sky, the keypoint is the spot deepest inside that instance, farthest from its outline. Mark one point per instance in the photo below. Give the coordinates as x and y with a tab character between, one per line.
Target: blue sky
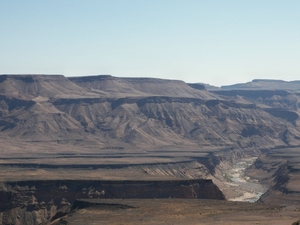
213	41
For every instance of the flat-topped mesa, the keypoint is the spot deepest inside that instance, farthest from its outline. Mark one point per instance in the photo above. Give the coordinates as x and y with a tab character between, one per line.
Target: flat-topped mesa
134	86
266	84
30	86
31	77
127	79
268	80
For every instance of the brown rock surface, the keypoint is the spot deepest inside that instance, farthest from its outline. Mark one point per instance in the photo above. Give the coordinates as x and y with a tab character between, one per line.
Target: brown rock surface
143	129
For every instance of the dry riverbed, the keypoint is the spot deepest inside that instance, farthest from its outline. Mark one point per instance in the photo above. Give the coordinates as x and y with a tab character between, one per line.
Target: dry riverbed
244	188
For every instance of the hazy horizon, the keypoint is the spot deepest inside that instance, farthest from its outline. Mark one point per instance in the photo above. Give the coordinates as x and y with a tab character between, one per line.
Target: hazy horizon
214	42
85	75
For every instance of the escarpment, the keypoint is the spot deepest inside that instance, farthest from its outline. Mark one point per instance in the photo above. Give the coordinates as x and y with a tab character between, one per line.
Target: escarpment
143	113
279	169
56	190
34	202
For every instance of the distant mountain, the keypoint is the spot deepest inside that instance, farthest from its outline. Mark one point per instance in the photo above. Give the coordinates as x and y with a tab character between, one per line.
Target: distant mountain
104	112
266	84
116	86
202	86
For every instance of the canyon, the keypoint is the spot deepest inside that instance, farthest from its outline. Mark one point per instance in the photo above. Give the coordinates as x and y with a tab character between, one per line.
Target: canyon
105	145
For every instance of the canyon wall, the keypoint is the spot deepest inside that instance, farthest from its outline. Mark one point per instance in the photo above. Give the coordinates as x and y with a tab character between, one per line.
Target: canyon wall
36	202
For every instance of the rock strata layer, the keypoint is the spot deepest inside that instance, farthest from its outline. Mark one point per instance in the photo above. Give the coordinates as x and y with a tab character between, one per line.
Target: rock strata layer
33	202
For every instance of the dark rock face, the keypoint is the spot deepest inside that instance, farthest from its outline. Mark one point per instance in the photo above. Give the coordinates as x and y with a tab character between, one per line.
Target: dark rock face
198	86
284	114
81	204
24	200
55	191
296	223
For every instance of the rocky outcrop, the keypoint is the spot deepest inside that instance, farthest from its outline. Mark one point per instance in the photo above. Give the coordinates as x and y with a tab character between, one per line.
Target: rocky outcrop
279	169
296	223
71	189
34	202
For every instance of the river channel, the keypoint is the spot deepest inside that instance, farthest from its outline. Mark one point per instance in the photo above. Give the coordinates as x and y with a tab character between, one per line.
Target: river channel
246	189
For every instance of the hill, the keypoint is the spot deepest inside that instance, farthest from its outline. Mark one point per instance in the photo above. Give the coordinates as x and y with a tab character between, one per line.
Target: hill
142	113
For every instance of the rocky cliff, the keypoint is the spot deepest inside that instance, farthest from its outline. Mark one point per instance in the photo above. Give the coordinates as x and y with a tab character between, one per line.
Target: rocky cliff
35	202
143	113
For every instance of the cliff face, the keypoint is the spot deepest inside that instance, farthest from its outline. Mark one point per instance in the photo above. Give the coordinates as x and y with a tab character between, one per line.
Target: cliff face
279	169
56	190
142	113
33	202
